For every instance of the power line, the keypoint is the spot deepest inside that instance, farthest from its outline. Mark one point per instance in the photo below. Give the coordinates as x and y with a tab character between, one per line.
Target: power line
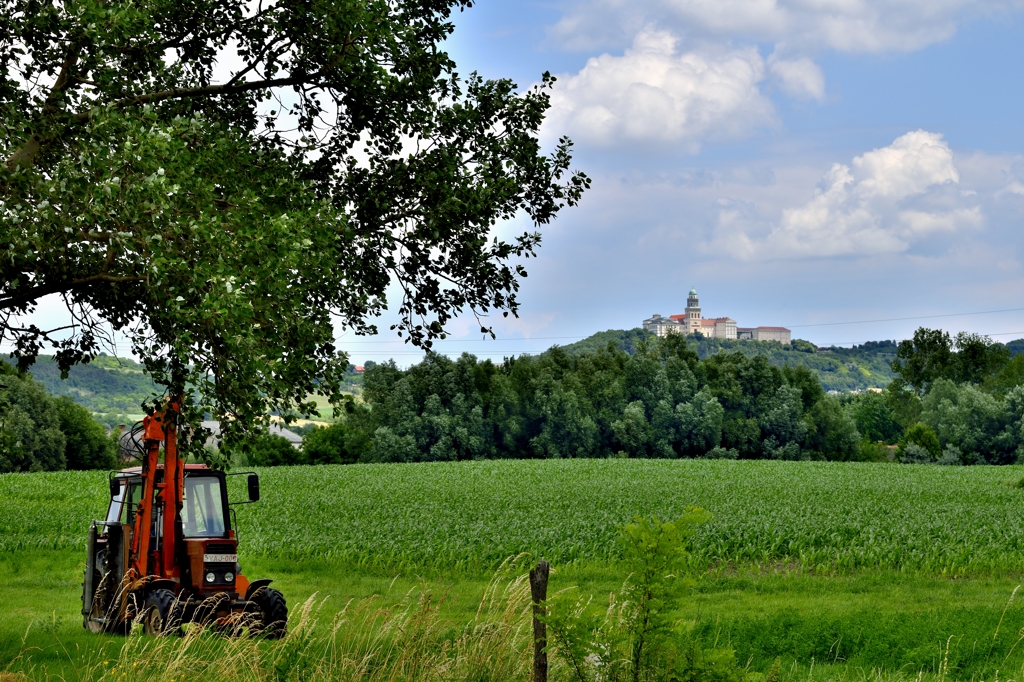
791	326
532	338
122	346
903	319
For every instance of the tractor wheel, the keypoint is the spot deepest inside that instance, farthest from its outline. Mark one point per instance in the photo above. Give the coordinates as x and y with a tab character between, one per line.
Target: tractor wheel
206	611
95	612
100	607
156	615
273	612
176	617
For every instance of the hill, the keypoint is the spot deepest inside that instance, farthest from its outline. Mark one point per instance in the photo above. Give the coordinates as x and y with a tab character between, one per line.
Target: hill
107	386
838	369
113	389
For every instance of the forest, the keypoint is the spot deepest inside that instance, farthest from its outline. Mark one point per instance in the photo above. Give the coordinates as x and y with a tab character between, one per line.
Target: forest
40	432
953	401
838	369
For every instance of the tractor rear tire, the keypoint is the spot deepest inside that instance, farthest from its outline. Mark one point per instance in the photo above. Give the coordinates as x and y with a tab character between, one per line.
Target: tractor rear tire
273	612
99	611
157	616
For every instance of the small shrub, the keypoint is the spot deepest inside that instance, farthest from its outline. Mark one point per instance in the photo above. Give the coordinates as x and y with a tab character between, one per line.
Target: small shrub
913	453
635	639
869	451
336	444
388	446
87	445
951	456
718	452
271	450
922	436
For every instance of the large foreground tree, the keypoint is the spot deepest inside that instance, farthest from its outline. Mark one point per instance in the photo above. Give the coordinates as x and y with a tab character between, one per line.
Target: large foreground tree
225	181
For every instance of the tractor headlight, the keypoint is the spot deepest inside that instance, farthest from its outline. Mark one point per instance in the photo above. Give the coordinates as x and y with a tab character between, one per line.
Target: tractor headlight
210	577
229	576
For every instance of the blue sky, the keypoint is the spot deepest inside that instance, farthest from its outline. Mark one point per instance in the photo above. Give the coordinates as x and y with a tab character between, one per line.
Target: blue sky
800	163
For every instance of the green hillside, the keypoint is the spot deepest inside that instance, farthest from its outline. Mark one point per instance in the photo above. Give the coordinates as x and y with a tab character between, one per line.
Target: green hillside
106	386
838	369
113	388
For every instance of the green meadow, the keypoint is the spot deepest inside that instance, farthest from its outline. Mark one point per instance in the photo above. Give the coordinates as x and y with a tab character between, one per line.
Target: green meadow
836	570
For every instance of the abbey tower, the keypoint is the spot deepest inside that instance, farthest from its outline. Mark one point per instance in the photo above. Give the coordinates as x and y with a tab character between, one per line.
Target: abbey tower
691	322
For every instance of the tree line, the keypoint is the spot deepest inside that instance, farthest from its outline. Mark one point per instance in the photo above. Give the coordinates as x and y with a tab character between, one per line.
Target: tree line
953	401
660	401
39	432
840	369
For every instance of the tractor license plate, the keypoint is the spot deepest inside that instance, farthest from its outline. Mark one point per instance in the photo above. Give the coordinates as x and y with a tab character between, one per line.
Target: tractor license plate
220	558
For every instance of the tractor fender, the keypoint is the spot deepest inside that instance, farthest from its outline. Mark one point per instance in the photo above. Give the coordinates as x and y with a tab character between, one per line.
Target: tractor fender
162	584
256	585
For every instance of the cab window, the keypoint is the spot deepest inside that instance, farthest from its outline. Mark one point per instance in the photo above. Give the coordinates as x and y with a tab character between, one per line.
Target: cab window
134	496
202	511
114	511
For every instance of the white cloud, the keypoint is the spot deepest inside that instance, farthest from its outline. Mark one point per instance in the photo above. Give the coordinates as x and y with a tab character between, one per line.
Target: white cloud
908	166
799	77
847	25
883	202
655	94
923	223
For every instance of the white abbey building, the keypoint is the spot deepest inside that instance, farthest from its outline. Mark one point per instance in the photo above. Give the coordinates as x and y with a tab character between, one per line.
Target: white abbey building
691	322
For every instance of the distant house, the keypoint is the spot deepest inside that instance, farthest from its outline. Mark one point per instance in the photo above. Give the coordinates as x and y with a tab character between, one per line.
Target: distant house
718	328
132	447
275	430
691	322
662	326
780	334
359	369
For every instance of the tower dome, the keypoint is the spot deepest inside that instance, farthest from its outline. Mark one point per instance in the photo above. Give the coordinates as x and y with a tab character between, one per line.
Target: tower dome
693	292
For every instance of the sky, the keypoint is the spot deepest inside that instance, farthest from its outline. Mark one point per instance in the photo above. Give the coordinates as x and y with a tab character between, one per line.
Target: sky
833	166
800	163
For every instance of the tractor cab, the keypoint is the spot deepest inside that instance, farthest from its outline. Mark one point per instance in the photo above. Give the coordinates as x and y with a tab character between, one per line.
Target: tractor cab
166	552
205	506
209	561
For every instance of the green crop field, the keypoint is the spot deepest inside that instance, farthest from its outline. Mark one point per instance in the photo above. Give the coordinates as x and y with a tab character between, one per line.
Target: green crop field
839	569
473	515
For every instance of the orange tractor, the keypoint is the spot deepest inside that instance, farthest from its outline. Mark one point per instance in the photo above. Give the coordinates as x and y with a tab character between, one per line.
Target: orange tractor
167	554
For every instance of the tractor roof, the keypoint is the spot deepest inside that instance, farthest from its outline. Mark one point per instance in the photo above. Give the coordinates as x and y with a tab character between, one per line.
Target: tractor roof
188	467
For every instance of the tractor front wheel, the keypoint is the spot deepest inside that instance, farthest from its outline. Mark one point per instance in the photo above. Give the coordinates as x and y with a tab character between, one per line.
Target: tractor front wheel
273	612
157	614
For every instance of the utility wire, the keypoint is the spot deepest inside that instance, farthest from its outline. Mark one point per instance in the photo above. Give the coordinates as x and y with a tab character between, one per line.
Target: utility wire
124	346
902	319
791	326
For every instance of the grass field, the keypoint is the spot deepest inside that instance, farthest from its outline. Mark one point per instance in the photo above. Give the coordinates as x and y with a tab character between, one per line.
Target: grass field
839	569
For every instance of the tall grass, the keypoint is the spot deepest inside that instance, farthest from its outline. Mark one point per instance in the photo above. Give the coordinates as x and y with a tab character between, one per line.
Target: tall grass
365	641
412	641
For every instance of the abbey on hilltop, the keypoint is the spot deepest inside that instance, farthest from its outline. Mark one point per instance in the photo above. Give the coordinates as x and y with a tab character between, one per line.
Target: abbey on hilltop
691	322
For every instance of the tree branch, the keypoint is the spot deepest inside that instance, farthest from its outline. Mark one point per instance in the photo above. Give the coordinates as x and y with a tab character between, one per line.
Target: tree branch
26	154
182	93
20	299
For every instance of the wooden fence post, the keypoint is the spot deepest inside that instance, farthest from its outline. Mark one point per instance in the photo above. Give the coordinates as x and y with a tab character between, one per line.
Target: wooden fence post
539	590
